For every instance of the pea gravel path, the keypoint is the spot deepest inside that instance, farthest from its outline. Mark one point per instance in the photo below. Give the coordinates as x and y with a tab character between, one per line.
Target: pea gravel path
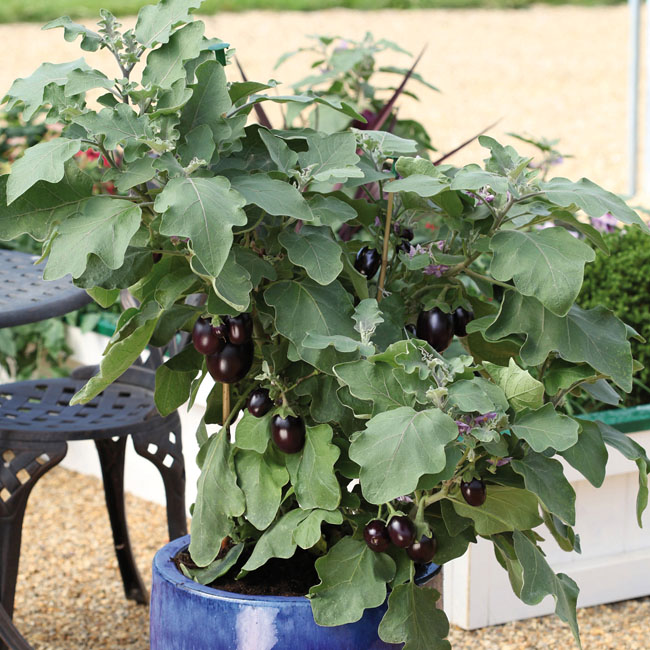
69	594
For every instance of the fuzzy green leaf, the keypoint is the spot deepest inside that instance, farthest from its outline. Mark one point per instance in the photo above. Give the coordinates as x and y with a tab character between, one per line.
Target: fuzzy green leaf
353	578
253	433
103	228
261	479
315	250
521	389
218	498
505	508
539	580
477	394
156	22
412	619
594	336
308	532
545	428
44	161
398	447
312	471
121	125
331	158
205	210
589	455
547	264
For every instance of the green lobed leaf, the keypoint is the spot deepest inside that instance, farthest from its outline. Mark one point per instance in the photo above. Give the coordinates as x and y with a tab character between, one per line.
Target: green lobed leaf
284	158
218	498
31	90
210	98
119	126
90	41
547	264
594	200
521	389
277	541
307	306
215	569
44	205
412	619
122	353
273	196
353	579
589	455
80	81
375	382
104	227
632	450
397	448
44	161
205	210
539	581
422	185
174	380
505	508
156	23
545	428
312	471
594	336
544	477
253	433
261	479
165	64
477	394
314	249
308	533
330	158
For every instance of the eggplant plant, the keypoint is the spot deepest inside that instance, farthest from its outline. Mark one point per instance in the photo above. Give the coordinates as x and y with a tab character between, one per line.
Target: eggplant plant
396	404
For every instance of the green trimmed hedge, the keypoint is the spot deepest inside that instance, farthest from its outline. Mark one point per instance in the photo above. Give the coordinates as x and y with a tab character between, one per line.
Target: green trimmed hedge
621	282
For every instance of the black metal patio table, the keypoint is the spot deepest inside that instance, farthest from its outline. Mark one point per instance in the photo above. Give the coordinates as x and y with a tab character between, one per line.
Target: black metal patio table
37	421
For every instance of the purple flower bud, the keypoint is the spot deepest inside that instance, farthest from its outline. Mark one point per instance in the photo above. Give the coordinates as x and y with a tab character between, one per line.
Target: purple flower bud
435	269
404	499
501	462
606	223
377	222
463	427
440	245
486	417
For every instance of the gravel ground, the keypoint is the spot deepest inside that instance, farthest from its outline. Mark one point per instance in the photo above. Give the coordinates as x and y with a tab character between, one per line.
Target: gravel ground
70	597
557	72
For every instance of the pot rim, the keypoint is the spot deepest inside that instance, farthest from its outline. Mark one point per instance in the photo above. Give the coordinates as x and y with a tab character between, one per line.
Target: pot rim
162	563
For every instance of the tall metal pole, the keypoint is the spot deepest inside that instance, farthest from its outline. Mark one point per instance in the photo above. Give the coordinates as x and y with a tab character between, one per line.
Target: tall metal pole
633	105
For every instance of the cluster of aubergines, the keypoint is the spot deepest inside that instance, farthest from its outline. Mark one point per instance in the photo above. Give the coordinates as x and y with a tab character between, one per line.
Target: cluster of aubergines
437	328
229	353
400	529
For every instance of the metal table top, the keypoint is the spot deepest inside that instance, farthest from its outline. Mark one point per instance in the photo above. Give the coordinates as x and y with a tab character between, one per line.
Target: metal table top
26	298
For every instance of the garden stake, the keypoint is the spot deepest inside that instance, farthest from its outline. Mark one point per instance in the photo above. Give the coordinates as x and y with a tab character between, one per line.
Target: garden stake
384	254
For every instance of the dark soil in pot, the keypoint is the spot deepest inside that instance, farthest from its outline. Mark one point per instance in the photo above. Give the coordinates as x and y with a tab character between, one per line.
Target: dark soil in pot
277	577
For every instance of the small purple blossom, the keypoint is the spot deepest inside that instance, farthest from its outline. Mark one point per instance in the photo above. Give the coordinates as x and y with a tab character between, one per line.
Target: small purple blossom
463	427
501	462
440	245
558	160
404	499
435	269
377	222
416	250
486	417
606	223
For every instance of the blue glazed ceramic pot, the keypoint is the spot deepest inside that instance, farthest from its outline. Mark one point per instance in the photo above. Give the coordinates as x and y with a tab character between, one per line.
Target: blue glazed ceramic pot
188	616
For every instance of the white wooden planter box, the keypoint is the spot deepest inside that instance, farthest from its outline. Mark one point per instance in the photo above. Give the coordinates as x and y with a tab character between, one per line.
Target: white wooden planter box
614	564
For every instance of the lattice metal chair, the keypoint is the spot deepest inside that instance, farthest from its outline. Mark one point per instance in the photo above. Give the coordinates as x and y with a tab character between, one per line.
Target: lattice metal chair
36	423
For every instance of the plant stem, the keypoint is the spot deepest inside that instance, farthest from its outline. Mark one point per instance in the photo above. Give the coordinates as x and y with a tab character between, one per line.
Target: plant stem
231	416
486	278
225	403
384	255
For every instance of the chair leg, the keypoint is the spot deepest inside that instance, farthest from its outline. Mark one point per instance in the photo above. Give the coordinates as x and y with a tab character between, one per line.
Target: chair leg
111	458
165	451
20	469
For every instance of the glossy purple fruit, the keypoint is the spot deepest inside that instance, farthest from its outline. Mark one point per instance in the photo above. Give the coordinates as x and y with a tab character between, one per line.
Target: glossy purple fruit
232	363
461	318
436	328
423	551
288	433
401	531
474	492
156	257
259	403
376	536
206	339
406	233
240	328
410	328
367	261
